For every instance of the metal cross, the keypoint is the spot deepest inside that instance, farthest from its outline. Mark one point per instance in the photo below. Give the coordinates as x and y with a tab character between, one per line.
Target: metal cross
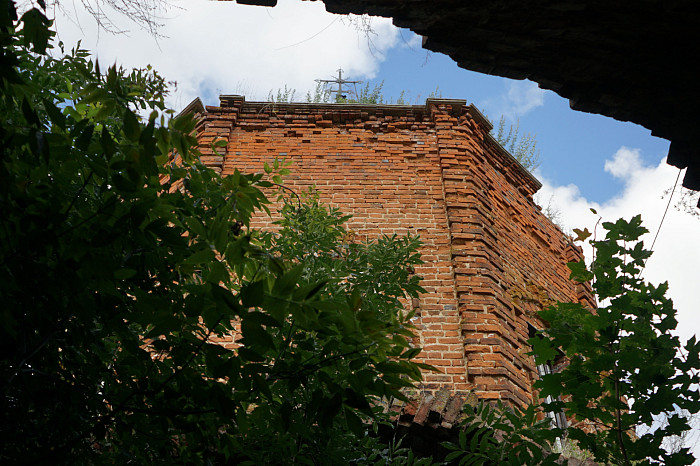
339	81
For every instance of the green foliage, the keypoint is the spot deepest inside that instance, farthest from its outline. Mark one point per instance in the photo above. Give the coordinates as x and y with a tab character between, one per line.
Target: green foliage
626	369
122	259
381	271
282	95
321	94
496	435
374	95
522	146
372	451
368	94
346	349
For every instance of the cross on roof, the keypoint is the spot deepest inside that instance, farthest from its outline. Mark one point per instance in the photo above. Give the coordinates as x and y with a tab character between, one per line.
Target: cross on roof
339	81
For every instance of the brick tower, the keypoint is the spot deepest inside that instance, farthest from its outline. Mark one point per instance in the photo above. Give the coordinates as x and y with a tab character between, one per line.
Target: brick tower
492	259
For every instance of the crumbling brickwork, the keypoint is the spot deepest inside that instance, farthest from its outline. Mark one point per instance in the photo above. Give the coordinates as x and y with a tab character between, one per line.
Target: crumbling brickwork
491	257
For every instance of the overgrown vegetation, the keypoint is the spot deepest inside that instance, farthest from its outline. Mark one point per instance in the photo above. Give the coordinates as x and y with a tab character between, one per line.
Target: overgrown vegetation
522	146
494	434
120	267
367	94
551	211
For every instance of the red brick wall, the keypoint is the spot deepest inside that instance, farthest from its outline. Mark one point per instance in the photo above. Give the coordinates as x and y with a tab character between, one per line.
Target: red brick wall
491	258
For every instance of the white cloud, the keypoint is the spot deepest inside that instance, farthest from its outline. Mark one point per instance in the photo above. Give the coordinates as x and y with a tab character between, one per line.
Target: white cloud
676	252
625	164
520	98
213	48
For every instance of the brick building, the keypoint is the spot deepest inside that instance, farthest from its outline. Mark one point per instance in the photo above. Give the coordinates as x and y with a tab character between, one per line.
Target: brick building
492	259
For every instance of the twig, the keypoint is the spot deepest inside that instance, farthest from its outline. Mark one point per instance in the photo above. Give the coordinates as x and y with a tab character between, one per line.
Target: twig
77	195
313	367
288	189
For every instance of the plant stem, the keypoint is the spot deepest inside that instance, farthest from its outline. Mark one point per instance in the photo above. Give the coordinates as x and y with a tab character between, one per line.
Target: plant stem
618	424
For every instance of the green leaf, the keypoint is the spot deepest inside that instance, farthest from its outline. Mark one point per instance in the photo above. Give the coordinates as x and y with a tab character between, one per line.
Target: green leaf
35	30
285	284
83	140
354	422
203	256
124	274
411	353
261	385
254	335
250	355
253	294
107	143
262	319
57	117
463	440
313	289
132	127
579	272
217	272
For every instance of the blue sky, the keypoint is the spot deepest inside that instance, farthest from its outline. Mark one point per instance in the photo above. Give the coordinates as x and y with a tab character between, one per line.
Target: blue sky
587	161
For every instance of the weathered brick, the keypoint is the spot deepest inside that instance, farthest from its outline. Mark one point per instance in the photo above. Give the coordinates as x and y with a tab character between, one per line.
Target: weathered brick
491	258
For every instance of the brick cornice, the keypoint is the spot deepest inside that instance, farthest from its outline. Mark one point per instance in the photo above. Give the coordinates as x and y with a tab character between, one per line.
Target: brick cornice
329	113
